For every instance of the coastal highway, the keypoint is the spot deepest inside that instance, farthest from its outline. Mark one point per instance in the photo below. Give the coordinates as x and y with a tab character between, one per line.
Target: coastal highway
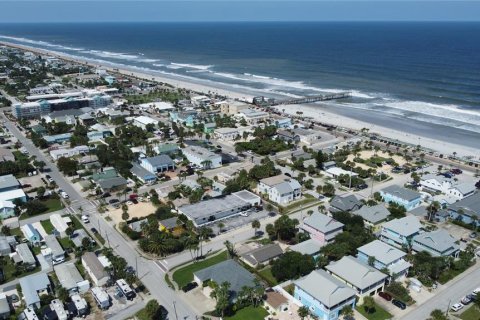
149	271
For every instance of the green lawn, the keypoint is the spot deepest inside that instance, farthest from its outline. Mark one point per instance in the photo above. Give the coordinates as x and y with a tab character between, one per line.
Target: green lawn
184	275
471	313
266	274
53	204
47	226
249	313
66	243
10	270
379	314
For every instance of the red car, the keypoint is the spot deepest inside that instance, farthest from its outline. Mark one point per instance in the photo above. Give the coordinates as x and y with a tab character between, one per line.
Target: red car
385	296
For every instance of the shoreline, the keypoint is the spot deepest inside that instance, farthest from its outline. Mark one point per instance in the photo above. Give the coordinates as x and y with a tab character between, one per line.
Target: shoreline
314	111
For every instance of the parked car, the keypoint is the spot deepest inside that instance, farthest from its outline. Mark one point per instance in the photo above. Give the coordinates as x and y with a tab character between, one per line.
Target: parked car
473	235
456	171
272	214
189	286
95	231
361	186
385	296
85	219
456	307
49	178
105	195
399	304
112	201
466	300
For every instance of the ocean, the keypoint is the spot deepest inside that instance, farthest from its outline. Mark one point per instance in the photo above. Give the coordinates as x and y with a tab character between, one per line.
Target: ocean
417	76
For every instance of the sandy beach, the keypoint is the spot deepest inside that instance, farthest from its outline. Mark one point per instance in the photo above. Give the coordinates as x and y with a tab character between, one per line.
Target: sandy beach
313	111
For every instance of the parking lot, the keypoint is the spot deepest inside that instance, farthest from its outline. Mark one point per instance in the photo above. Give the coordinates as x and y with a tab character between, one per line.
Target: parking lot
238	221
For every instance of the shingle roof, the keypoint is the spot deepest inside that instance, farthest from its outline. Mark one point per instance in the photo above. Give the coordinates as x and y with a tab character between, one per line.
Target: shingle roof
229	271
263	254
406	226
374	214
160	160
382	252
402	193
439	240
322	223
356	272
470	205
32	284
310	247
345	203
112	182
325	288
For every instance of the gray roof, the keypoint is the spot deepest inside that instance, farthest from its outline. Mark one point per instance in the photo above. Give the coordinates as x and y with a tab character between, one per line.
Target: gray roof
439	240
52	242
137	225
229	271
356	272
406	226
95	266
25	253
169	223
160	160
32	284
4	306
263	254
112	182
470	205
345	203
212	206
322	223
287	186
310	247
465	188
9	181
78	236
374	214
68	275
325	288
140	171
382	252
431	176
403	193
420	211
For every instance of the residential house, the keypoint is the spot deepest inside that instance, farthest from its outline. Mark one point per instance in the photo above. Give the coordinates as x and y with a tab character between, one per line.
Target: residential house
311	247
462	190
56	252
288	136
29	314
466	210
307	137
68	152
25	256
373	216
275	302
344	203
280	189
170	224
438	243
7	209
112	184
70	278
143	174
31	234
167	148
80	305
435	183
385	257
400	232
101	298
404	197
33	286
6	244
56	310
8	182
160	163
262	255
209	127
95	269
364	279
202	157
185	117
252	116
227	271
283	123
6	155
322	228
12	195
4	307
323	295
58	138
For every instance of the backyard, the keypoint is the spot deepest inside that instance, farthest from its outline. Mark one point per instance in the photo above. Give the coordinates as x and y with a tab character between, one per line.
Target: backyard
249	313
471	313
184	275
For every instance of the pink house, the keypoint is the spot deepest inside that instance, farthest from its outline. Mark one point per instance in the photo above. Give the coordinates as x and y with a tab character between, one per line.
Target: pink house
322	228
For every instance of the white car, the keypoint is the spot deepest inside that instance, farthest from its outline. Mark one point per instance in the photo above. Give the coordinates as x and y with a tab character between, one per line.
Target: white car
456	307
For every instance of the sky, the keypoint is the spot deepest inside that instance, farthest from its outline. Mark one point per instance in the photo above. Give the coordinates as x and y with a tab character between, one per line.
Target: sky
20	11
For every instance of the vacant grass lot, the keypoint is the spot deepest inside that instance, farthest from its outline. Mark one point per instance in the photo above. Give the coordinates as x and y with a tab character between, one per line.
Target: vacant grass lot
184	275
249	313
379	314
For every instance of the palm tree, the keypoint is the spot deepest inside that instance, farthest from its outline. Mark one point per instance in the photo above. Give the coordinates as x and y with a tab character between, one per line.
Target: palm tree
347	312
206	164
255	226
303	312
369	304
232	252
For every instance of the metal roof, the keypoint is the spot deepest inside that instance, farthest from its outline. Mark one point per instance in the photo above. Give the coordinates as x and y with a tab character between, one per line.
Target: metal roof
382	252
355	272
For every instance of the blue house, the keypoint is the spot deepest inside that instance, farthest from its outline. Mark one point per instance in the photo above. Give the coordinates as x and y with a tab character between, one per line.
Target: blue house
466	210
283	123
187	117
323	294
31	234
58	138
400	232
405	197
385	256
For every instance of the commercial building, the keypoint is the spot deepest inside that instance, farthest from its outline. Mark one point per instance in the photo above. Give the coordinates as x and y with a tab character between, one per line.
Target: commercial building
364	279
95	269
404	197
144	122
324	295
160	163
68	152
253	116
211	210
202	157
280	189
226	134
385	256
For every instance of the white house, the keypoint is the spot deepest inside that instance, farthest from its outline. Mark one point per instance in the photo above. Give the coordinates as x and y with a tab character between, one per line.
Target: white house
68	152
143	122
280	189
202	157
436	183
226	134
461	190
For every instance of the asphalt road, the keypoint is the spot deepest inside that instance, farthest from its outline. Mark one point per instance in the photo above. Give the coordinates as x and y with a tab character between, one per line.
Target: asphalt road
148	271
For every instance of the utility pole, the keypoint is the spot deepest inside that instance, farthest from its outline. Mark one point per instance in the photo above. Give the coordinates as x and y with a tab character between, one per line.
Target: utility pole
136	265
350	184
